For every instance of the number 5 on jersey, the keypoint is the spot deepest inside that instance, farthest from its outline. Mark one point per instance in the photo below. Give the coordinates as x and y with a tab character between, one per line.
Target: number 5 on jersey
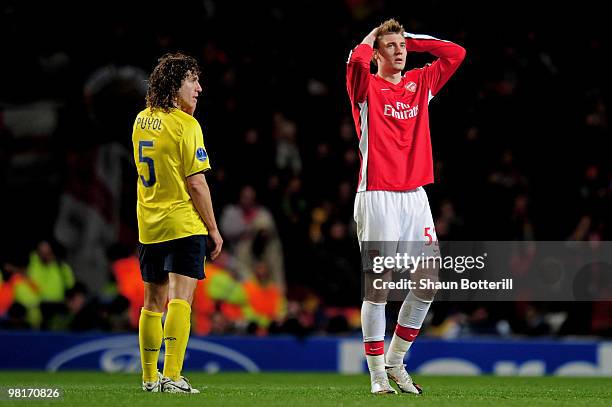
429	237
149	161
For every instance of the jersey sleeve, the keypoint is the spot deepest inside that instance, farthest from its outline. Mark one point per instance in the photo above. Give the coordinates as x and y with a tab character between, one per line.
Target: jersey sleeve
449	56
358	72
194	156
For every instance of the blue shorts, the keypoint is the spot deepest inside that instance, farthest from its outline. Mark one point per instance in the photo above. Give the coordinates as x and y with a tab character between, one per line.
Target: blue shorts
184	256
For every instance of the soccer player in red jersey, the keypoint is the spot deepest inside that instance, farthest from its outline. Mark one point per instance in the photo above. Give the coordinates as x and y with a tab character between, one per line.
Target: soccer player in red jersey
391	114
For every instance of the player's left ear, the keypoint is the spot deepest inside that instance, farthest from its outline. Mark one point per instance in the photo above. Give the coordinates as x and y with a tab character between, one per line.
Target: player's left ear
375	57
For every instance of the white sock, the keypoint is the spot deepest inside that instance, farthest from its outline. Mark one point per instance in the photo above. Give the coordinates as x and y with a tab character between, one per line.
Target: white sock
373	327
409	322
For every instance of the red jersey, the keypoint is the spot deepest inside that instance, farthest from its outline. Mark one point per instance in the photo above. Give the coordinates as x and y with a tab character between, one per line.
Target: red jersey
392	121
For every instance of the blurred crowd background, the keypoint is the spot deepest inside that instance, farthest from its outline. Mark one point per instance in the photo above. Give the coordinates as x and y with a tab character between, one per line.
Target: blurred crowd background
521	142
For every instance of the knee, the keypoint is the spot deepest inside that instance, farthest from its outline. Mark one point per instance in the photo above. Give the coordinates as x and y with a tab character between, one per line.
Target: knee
376	296
155	301
181	292
182	287
374	287
427	284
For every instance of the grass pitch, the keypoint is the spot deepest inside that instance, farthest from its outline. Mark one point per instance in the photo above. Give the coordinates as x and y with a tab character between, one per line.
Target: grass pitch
309	389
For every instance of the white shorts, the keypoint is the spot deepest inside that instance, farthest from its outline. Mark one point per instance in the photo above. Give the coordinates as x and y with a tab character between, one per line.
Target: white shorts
402	217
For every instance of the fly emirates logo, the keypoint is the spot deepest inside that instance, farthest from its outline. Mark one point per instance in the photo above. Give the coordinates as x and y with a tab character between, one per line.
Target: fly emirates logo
402	111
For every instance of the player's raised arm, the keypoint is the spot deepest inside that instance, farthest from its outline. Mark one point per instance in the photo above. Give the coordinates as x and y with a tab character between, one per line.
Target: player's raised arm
450	56
370	38
358	68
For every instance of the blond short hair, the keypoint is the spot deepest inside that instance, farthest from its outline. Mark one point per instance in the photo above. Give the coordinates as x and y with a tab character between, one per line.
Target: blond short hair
391	26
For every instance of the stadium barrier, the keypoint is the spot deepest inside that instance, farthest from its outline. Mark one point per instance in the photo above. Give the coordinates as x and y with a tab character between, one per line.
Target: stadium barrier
120	353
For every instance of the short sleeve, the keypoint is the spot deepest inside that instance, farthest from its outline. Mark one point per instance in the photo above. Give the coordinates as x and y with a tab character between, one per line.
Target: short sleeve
194	155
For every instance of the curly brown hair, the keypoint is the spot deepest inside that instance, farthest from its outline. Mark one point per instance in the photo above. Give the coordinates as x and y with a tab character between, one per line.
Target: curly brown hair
167	77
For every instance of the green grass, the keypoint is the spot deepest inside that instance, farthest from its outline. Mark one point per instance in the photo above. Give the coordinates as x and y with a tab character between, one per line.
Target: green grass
312	390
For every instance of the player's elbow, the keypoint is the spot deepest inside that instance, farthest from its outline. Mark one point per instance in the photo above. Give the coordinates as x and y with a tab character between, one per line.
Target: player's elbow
196	183
460	53
457	57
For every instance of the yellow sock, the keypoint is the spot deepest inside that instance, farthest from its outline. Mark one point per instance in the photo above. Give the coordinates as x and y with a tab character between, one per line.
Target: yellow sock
176	335
183	343
150	333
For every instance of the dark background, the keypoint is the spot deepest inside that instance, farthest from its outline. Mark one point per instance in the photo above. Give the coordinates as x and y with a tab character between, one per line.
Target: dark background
521	132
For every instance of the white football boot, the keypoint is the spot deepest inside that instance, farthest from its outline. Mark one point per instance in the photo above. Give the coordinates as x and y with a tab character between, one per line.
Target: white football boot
181	385
403	380
380	385
153	387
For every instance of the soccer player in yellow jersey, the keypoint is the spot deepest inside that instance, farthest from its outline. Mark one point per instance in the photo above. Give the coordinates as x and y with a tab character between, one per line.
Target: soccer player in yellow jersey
175	214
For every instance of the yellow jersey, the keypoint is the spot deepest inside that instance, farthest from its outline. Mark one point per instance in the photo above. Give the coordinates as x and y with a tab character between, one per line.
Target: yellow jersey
168	148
